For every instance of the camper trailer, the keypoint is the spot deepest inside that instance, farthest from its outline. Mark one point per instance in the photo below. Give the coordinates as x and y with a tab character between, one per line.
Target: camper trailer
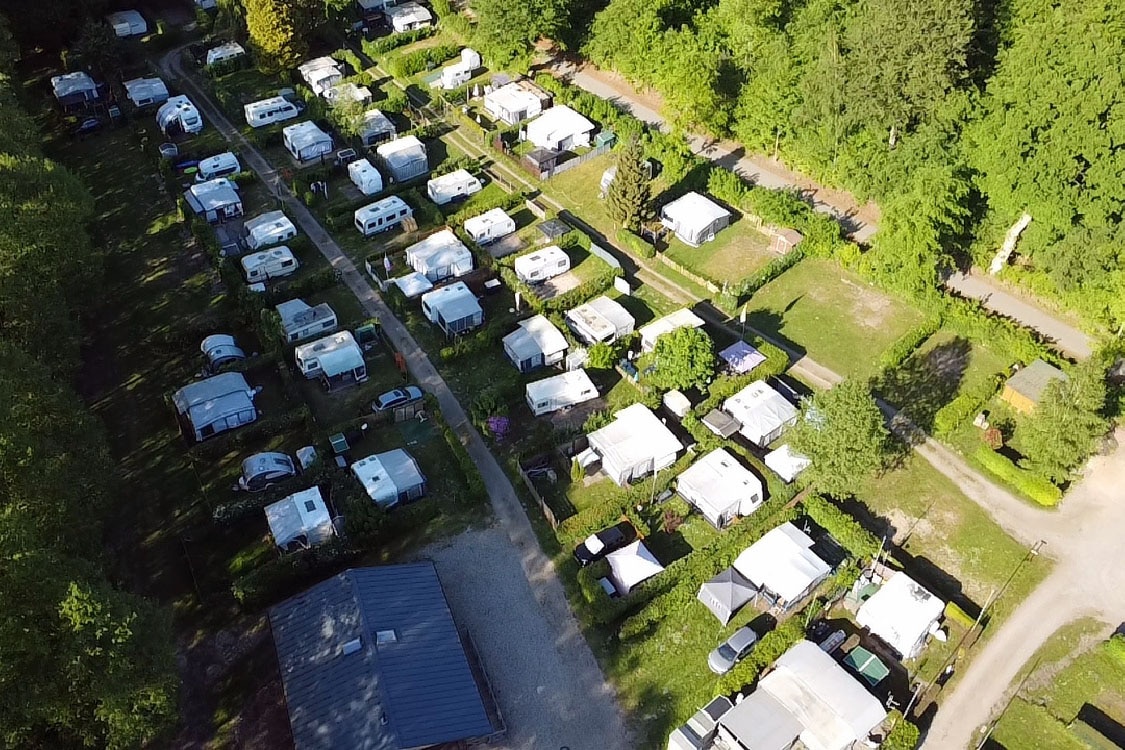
305	141
220	349
404	158
541	265
560	392
215	200
145	92
127	23
560	129
268	229
453	308
459	72
269	111
376	128
223	52
321	74
365	177
490	226
220	165
381	215
408	17
217	404
452	186
299	321
335	359
74	89
269	264
179	115
440	256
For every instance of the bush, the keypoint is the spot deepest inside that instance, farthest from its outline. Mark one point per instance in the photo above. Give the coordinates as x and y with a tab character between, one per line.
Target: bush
422	60
858	541
351	58
908	343
285	576
903	734
949	418
770	271
635	244
374	49
772	645
1027	482
961	617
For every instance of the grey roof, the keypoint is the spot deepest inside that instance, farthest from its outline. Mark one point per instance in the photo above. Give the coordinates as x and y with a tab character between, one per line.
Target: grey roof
721	423
726	593
1032	380
414	692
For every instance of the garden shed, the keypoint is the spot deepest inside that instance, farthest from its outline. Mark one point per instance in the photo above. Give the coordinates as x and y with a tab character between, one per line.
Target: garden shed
1024	389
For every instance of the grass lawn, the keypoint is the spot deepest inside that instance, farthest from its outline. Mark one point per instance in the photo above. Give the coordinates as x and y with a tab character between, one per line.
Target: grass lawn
1069	673
839	320
736	253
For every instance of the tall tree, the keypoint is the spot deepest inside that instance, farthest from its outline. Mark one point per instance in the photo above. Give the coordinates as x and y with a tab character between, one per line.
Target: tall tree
843	433
1061	432
274	30
99	50
507	30
630	194
684	358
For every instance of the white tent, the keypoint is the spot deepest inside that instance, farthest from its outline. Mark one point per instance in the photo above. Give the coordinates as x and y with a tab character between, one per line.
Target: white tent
560	391
376	127
726	593
560	129
306	141
74	88
694	218
404	158
630	566
682	318
321	74
720	487
301	518
636	443
408	16
490	226
449	187
390	478
440	256
454	308
127	23
413	284
763	412
143	92
901	613
365	176
513	102
600	319
783	562
178	113
216	404
535	343
787	464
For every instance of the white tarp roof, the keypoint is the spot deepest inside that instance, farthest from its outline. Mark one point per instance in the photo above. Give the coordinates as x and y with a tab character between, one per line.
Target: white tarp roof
901	613
413	284
785	463
385	475
536	335
631	565
440	250
375	122
574	387
402	151
140	89
635	436
761	410
682	318
454	302
717	482
758	721
301	514
304	134
832	706
555	125
783	562
213	194
512	97
296	314
73	83
693	212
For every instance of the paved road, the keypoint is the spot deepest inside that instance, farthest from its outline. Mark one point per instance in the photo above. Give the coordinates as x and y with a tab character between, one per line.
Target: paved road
859	221
577	680
1065	336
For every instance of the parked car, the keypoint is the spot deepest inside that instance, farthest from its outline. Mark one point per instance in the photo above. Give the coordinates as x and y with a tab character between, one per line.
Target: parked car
597	546
732	650
89	125
396	398
263	470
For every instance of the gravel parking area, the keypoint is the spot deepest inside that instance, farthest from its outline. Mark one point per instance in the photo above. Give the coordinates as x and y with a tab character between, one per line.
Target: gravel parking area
548	685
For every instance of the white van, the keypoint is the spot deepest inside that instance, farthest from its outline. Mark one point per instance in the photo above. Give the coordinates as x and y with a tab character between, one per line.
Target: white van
381	215
269	111
220	165
269	264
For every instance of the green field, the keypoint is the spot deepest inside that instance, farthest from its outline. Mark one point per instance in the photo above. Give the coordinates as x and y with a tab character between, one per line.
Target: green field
736	253
831	314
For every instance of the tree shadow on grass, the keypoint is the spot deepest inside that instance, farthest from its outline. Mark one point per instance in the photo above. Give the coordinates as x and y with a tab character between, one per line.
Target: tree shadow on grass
772	324
924	383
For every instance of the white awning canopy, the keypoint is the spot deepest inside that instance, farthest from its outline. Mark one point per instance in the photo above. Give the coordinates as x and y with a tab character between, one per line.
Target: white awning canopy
783	562
631	565
901	612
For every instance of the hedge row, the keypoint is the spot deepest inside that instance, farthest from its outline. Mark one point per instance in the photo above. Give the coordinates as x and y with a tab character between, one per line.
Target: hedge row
908	343
858	541
636	245
1011	340
506	201
949	418
769	649
374	49
421	60
351	58
585	291
1036	487
272	581
475	490
770	271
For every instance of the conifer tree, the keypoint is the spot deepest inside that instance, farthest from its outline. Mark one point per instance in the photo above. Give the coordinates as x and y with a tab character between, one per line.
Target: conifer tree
629	194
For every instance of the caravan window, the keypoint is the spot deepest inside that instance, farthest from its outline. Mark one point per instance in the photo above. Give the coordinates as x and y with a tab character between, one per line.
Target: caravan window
562	263
286	263
326	325
402	213
207	430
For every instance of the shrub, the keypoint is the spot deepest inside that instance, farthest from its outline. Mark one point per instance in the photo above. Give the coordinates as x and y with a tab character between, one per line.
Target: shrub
860	542
635	244
961	617
908	343
771	271
284	576
351	58
1027	482
374	49
949	418
423	59
772	645
903	734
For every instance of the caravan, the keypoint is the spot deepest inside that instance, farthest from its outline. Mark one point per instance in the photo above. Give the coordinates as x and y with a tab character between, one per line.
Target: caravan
223	52
270	228
454	308
127	23
440	256
460	72
178	114
215	200
450	187
219	165
269	264
490	226
381	215
365	177
335	359
541	265
269	111
305	141
560	392
404	158
321	74
145	92
217	404
299	321
408	17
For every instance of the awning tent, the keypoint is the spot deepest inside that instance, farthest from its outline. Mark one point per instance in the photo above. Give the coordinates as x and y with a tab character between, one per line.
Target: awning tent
413	284
302	518
721	423
726	593
741	358
630	566
785	463
720	487
763	412
783	562
901	613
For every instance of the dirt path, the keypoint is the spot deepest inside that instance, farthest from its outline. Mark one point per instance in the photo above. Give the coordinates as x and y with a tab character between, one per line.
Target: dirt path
582	679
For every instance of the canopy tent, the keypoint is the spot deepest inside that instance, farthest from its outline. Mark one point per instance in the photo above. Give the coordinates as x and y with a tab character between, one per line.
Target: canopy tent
783	562
785	463
901	613
631	565
726	593
413	284
741	357
763	412
301	515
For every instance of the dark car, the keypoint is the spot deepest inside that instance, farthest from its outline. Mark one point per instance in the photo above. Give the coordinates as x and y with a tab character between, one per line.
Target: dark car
396	398
89	125
597	546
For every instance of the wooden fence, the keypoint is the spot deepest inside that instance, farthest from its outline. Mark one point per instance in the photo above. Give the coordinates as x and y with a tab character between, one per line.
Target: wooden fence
546	509
709	285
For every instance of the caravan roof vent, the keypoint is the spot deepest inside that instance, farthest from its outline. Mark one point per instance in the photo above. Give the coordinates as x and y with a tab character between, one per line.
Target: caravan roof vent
383	637
351	647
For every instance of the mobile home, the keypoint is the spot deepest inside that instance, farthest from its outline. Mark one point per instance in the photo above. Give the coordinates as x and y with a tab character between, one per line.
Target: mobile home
560	129
127	23
515	102
453	308
452	186
223	52
74	89
220	165
269	111
268	229
178	114
560	392
305	141
541	265
600	319
408	17
381	215
269	264
376	128
321	74
336	359
299	321
404	158
145	92
490	226
365	177
440	256
694	218
535	343
215	200
216	404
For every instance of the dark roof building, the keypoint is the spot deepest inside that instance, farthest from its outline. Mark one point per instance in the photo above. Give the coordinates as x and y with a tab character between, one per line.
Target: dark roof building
1024	389
371	660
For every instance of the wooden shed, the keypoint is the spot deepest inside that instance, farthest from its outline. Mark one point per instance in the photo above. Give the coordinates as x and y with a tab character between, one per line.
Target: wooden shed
1024	389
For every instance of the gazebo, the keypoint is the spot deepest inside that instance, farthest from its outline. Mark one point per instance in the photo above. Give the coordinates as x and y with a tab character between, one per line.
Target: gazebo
726	593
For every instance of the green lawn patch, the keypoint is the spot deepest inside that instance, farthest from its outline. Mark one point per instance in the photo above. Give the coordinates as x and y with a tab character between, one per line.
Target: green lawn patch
837	318
736	253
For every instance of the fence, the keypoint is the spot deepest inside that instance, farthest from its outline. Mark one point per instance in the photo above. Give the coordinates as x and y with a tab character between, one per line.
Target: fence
605	255
711	286
605	148
546	509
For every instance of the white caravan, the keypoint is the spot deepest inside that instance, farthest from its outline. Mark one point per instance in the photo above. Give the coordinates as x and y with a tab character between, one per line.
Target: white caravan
541	265
301	321
335	358
269	111
269	264
179	114
365	177
270	228
219	165
321	74
305	141
560	392
450	187
381	215
223	52
490	226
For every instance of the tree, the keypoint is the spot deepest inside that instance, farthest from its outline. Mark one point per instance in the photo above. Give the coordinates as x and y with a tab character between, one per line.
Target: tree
507	30
347	115
601	356
1060	434
684	358
629	196
99	49
273	26
843	433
